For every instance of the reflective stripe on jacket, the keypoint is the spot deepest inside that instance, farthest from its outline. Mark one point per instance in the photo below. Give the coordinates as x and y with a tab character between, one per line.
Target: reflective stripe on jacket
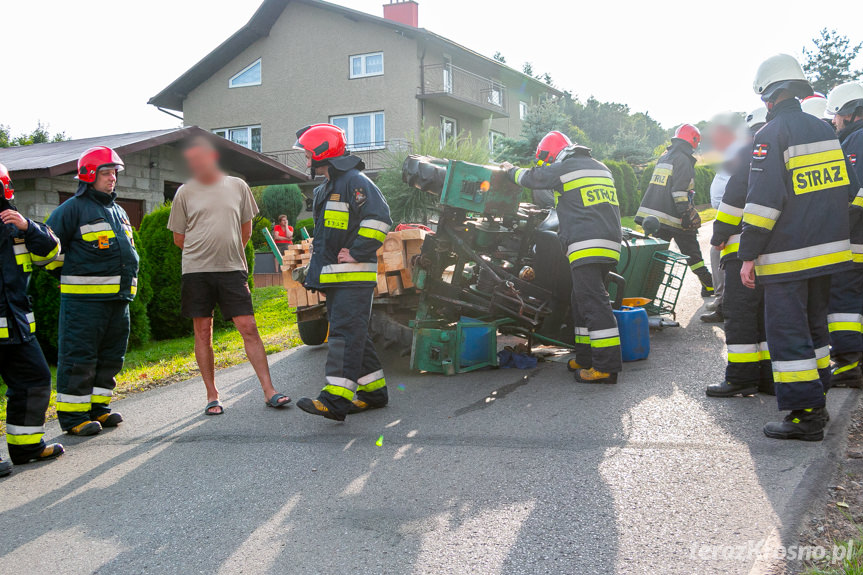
587	205
795	221
99	260
19	252
667	196
350	212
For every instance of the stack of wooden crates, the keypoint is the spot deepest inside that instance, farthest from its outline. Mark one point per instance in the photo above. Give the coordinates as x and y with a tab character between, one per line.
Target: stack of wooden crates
394	267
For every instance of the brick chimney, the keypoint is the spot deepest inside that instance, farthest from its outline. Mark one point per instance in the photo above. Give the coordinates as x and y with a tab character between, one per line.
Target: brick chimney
403	11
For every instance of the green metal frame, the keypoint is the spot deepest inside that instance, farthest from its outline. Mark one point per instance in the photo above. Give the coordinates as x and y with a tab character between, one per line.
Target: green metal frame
667	271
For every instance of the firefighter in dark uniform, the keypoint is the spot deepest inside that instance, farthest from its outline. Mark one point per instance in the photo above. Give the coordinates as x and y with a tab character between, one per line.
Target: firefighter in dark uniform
587	206
23	244
669	199
846	290
98	279
795	236
748	370
351	223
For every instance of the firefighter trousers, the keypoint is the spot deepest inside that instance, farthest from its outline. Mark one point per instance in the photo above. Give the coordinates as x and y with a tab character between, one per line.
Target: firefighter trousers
92	346
799	342
353	368
28	389
844	318
687	243
748	356
597	340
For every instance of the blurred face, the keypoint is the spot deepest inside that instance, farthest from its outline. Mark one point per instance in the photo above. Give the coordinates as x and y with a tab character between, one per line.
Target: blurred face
203	163
721	137
106	180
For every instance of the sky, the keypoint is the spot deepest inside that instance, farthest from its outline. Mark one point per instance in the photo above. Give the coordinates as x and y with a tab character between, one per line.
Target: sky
88	67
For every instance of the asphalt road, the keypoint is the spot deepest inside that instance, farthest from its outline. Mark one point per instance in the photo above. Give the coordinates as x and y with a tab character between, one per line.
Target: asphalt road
496	472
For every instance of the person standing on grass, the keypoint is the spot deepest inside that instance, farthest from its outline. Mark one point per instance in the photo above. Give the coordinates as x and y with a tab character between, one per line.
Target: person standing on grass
283	233
211	218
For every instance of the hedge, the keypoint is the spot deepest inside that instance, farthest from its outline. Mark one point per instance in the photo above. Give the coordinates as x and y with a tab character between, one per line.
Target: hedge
258	240
140	322
703	178
158	243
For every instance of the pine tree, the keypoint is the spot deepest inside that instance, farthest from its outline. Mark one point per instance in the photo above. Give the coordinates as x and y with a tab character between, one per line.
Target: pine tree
828	64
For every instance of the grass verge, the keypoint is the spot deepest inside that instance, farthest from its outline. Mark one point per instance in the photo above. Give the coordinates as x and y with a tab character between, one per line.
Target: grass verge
168	361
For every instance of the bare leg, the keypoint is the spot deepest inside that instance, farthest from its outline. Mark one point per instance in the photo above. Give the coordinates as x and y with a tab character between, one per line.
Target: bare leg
255	352
204	356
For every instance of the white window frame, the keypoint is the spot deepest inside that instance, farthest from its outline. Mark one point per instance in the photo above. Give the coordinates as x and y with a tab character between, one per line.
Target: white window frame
522	109
352	145
243	71
443	120
492	136
224	132
363	58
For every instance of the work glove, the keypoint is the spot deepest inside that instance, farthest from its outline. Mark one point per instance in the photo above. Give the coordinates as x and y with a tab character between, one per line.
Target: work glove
691	219
299	274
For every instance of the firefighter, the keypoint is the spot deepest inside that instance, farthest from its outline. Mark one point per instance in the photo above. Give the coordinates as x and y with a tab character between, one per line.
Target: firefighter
748	370
98	279
351	223
669	198
23	244
846	291
795	235
587	206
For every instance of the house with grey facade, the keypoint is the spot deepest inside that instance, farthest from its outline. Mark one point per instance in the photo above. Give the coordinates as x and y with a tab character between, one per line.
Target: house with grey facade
381	79
44	174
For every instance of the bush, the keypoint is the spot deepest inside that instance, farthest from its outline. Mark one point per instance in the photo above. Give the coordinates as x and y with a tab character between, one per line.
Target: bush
644	180
703	178
630	185
617	174
259	241
283	199
138	318
166	321
45	292
309	224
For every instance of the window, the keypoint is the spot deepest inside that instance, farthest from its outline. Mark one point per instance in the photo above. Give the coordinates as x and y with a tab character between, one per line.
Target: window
494	139
249	76
365	65
246	136
522	110
364	131
495	96
448	130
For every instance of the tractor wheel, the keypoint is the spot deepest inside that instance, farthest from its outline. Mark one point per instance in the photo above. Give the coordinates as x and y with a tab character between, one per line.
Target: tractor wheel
314	331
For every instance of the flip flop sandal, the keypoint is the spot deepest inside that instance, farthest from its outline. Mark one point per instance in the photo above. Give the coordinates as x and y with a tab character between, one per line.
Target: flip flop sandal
274	401
213	404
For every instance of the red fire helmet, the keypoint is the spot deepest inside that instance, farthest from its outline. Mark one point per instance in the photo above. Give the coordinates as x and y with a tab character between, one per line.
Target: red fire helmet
6	182
689	134
94	159
324	141
551	146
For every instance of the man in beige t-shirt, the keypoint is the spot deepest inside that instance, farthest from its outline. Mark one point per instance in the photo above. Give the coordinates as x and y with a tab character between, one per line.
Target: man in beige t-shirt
211	218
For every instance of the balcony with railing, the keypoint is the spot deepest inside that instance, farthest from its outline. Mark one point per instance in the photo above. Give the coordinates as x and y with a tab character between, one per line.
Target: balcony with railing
376	156
464	90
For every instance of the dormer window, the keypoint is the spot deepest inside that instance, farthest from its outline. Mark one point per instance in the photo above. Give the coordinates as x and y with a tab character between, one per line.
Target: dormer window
248	76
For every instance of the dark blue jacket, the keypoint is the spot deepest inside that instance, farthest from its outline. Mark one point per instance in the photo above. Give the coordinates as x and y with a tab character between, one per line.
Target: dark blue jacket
852	145
667	198
350	212
19	252
99	260
795	224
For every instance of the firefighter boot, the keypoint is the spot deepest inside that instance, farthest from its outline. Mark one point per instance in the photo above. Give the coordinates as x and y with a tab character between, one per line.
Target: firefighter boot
706	280
593	376
728	389
716	316
368	400
804	424
846	371
5	468
85	429
326	405
112	419
573	365
51	451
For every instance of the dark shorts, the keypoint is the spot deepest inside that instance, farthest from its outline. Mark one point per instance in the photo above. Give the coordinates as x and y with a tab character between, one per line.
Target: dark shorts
202	291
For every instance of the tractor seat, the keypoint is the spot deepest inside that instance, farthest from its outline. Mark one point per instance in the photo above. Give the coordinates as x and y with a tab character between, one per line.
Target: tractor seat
550	223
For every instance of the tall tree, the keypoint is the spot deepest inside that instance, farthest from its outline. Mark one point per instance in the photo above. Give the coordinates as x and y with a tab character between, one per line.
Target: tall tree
40	135
527	68
828	63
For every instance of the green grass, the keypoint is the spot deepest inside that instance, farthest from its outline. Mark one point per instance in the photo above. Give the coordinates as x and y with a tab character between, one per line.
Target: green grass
707	215
169	361
852	564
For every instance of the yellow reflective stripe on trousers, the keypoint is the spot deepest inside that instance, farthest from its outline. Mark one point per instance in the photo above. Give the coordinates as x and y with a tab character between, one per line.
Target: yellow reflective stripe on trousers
732	245
4	328
356	272
89	284
795	371
803	259
743	353
844	322
697	265
101	395
66	402
372	381
24	434
765	351
857	253
582	336
845	368
822	357
341	387
604	338
593	249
